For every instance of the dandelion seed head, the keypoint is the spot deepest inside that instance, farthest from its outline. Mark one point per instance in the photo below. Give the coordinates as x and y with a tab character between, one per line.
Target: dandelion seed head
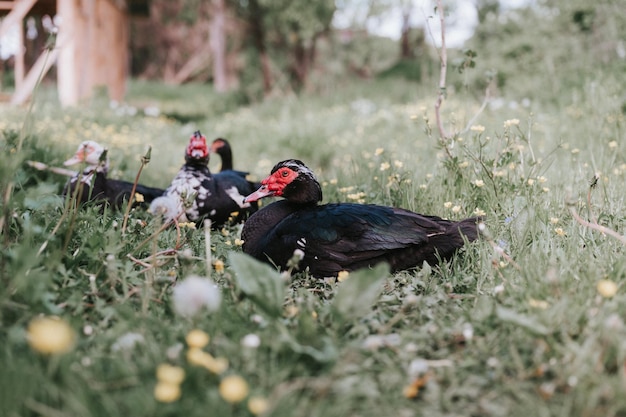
194	294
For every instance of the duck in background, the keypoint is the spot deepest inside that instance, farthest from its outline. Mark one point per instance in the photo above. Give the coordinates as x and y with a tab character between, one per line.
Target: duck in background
96	186
203	195
343	236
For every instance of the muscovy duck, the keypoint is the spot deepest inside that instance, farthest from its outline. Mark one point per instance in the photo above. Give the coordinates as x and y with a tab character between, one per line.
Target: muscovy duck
95	184
221	147
218	197
343	236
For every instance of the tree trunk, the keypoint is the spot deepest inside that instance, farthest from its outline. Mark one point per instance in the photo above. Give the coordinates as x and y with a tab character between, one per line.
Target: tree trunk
258	36
218	46
405	42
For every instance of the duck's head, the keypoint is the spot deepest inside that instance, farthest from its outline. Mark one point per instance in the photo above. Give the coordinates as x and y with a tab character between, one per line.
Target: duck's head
220	145
90	153
197	151
292	180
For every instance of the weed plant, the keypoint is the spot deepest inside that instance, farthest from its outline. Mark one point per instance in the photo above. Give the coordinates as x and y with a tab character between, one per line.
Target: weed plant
527	321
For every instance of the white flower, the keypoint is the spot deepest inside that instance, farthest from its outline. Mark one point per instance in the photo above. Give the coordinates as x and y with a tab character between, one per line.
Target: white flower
127	341
251	341
168	206
195	293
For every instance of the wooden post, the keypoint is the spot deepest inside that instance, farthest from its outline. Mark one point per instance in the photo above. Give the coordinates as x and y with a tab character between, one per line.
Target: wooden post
19	68
67	68
96	51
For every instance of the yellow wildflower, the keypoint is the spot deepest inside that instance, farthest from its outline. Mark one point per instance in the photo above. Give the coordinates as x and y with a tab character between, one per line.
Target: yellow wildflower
139	198
170	374
613	144
238	242
479	212
257	405
559	231
456	209
379	151
197	339
607	288
233	389
343	275
385	166
479	183
511	122
554	220
50	335
166	392
218	264
478	128
447	204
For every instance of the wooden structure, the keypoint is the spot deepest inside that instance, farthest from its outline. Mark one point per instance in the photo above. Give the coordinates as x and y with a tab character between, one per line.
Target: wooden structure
91	47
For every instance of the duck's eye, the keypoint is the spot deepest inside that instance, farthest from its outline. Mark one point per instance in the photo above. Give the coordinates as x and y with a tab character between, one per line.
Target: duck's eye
284	173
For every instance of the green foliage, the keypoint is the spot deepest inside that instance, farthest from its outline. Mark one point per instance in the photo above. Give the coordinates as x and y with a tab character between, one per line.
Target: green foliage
514	325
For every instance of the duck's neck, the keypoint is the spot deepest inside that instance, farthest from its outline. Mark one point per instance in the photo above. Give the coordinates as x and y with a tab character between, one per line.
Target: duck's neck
259	225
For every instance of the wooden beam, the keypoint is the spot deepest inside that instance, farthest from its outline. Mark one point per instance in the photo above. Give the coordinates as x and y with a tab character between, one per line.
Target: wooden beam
68	71
41	67
19	68
20	8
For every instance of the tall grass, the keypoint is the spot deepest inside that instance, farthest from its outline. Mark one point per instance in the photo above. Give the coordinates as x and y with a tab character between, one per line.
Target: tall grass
517	325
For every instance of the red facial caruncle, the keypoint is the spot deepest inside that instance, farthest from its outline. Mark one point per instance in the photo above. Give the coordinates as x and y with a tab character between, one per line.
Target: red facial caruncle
197	147
279	180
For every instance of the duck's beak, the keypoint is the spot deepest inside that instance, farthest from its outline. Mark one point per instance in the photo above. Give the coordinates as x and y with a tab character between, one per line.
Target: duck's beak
262	192
76	159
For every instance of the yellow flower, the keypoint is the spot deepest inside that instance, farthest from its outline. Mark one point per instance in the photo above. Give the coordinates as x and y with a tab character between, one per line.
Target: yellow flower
219	266
542	179
166	392
541	304
257	405
233	389
170	374
379	151
545	189
607	288
384	166
225	232
477	128
50	335
456	209
531	181
190	225
479	212
464	164
343	275
575	150
197	339
238	242
333	181
613	144
511	122
447	204
196	356
479	183
398	164
554	220
139	197
559	231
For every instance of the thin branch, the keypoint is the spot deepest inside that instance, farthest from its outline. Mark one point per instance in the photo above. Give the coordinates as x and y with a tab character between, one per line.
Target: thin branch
144	161
443	57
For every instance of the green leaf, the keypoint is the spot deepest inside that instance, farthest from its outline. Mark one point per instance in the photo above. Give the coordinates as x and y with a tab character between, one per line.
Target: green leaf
529	323
260	282
356	296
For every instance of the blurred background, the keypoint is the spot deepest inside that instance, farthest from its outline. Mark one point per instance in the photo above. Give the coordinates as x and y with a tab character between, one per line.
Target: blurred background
253	49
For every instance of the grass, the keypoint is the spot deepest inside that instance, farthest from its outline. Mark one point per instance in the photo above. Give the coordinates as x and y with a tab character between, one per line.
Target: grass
528	333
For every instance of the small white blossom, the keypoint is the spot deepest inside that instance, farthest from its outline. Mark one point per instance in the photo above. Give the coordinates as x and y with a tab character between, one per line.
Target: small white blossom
251	341
127	341
195	293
